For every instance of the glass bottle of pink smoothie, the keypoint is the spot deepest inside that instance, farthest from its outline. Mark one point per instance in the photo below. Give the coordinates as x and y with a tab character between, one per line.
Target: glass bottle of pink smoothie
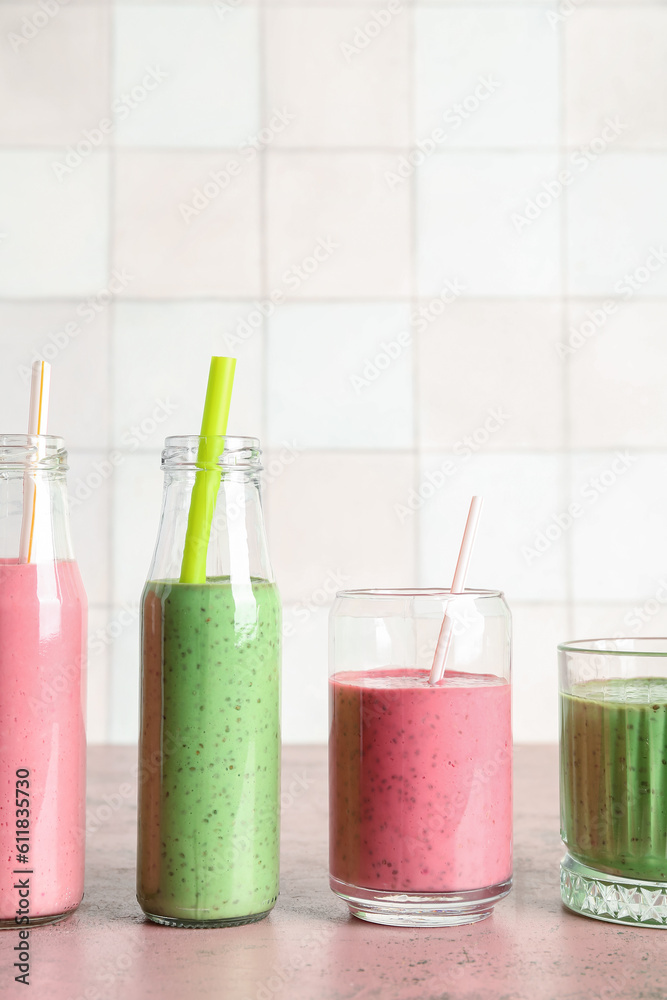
420	775
43	623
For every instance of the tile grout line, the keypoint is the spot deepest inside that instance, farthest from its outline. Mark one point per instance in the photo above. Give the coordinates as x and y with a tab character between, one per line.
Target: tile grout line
351	300
111	534
542	149
263	219
475	4
414	296
567	483
433	451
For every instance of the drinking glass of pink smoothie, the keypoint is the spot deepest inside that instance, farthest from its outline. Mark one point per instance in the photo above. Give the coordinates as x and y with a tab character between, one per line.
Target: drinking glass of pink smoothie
420	775
43	615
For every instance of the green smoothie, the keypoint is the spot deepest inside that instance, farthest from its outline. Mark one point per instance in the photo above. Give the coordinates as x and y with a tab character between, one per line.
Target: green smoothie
210	751
614	776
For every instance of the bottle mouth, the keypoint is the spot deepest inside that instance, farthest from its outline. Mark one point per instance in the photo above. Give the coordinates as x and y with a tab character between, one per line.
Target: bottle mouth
37	452
242	453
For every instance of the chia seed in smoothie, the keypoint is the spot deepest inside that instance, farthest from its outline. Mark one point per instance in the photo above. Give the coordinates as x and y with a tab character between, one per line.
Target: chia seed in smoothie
614	775
420	780
210	751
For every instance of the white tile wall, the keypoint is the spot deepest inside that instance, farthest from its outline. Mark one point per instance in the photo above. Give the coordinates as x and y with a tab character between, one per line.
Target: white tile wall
536	631
201	72
305	697
186	225
622	495
355	402
54	228
487	77
166	167
522	492
616	67
616	227
341	203
334	97
74	336
644	618
467	203
624	385
496	343
160	393
124	680
339	508
137	492
90	482
56	85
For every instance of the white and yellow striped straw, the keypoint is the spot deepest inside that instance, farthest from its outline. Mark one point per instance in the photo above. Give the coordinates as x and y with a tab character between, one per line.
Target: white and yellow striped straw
37	423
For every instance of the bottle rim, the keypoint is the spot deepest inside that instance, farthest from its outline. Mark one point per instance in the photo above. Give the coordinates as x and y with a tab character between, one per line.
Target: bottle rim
39	452
240	452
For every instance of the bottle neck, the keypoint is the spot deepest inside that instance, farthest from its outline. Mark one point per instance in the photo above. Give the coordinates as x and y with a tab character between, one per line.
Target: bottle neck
237	547
34	516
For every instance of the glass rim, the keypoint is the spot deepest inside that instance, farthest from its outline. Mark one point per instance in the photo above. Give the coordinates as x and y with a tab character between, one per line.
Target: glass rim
404	592
595	646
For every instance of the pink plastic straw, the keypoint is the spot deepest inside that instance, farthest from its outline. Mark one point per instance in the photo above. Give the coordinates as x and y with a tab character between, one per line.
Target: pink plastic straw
458	586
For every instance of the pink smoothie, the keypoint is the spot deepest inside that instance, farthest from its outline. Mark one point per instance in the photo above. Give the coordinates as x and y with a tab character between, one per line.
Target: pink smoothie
42	697
420	780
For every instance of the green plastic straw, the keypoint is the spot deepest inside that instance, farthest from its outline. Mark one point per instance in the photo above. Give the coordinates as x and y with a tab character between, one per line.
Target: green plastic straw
207	478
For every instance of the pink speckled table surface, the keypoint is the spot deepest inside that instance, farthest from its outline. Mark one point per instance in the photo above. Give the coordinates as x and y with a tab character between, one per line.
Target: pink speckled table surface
309	948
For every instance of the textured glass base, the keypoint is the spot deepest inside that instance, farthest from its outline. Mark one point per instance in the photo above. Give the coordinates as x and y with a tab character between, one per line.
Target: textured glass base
11	925
612	898
420	909
230	922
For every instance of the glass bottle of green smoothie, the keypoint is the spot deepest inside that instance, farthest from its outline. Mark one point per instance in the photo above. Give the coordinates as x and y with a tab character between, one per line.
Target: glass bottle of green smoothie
209	753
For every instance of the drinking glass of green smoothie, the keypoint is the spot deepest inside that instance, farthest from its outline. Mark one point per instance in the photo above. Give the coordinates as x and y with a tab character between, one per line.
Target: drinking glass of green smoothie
613	779
209	779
